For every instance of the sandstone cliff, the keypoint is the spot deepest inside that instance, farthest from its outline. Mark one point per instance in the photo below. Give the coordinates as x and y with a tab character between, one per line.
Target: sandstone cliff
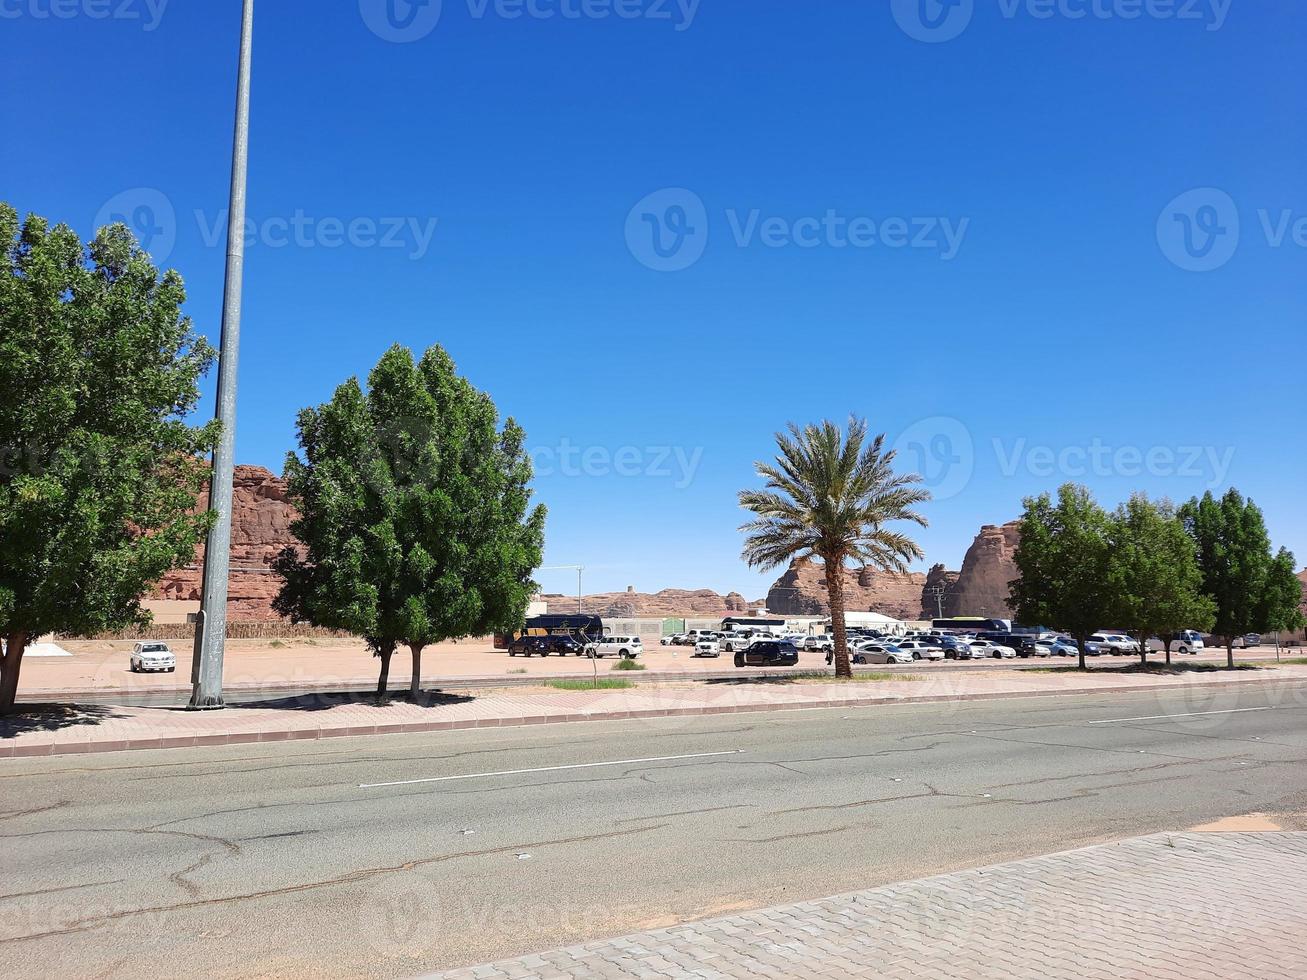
261	517
669	602
801	591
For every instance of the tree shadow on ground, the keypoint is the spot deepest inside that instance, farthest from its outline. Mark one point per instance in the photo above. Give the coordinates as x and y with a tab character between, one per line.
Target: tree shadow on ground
326	700
52	718
1171	670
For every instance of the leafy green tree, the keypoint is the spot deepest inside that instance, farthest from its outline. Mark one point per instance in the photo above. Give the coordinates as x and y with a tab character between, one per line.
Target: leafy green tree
413	512
1155	574
99	471
1281	609
1234	554
832	497
1064	564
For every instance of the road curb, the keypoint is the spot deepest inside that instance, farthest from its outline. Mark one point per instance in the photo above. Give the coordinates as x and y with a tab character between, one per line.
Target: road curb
91	745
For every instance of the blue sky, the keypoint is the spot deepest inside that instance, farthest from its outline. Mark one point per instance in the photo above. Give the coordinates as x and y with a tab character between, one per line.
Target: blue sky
972	224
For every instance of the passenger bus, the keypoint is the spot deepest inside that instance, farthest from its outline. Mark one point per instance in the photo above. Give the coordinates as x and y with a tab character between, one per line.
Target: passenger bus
582	626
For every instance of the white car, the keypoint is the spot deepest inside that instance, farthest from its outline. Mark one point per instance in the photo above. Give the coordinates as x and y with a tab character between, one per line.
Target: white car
731	642
1186	641
707	647
671	640
151	655
616	646
922	650
821	643
875	653
1116	644
984	648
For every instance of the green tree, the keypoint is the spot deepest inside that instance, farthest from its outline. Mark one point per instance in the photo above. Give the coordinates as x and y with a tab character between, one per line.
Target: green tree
832	496
99	471
1064	564
1281	609
1234	555
413	512
1155	574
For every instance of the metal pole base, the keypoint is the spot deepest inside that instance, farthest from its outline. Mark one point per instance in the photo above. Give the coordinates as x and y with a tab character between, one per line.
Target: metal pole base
208	704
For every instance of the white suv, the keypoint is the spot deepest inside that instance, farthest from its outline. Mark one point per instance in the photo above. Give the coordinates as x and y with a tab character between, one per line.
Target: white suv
616	646
151	655
708	646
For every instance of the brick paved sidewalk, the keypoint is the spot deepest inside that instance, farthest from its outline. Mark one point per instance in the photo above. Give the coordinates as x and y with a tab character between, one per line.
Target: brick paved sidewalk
1169	906
95	728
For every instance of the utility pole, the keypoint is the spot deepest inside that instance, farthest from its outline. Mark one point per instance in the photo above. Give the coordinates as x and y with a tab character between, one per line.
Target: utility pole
939	592
578	569
211	627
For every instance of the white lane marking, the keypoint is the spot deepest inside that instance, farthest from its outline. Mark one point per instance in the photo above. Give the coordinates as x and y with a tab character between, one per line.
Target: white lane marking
522	772
1180	714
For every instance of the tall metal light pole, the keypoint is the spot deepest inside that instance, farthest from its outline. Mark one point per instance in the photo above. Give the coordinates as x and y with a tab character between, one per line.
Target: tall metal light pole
211	628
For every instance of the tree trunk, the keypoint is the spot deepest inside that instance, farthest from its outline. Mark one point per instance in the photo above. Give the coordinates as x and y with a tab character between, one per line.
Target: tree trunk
1080	642
415	685
9	667
1143	648
1168	651
835	591
385	654
1229	652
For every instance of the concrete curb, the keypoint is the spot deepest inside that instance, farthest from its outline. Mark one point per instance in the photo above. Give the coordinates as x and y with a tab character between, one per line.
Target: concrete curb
88	746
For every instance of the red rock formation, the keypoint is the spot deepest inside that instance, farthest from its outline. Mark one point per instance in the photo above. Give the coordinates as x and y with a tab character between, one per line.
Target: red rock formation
261	517
987	572
703	603
936	604
801	591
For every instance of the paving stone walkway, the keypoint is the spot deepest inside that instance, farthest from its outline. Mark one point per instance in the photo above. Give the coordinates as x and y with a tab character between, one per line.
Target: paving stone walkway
1168	906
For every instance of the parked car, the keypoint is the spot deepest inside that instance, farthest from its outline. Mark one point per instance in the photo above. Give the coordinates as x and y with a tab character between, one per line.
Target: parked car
988	648
732	642
563	645
615	646
673	640
1022	643
1186	641
529	646
768	653
151	655
875	653
1252	639
709	646
820	643
922	649
1117	644
955	649
1058	646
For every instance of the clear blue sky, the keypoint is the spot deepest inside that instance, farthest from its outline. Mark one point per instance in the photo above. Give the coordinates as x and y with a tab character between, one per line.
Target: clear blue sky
1065	319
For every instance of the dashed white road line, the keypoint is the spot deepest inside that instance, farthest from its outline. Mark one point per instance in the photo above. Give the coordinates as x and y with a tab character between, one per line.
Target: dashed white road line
1180	714
522	772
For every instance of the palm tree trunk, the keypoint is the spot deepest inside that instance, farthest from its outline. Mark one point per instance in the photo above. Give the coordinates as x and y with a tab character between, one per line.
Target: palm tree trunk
835	591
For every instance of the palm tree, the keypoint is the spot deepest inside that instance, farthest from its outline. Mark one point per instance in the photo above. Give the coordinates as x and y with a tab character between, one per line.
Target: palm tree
827	496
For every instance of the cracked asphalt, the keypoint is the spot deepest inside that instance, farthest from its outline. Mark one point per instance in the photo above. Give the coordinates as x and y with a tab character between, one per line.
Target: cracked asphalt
285	859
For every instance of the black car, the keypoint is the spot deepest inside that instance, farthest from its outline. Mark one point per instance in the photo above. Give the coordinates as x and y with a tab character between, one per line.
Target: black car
564	645
526	646
768	653
1022	643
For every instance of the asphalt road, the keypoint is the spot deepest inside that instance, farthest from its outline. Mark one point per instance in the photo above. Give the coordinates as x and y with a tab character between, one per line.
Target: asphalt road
330	860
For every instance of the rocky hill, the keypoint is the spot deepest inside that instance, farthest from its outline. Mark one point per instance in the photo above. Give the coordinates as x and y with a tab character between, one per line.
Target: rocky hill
260	528
801	591
630	604
979	589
